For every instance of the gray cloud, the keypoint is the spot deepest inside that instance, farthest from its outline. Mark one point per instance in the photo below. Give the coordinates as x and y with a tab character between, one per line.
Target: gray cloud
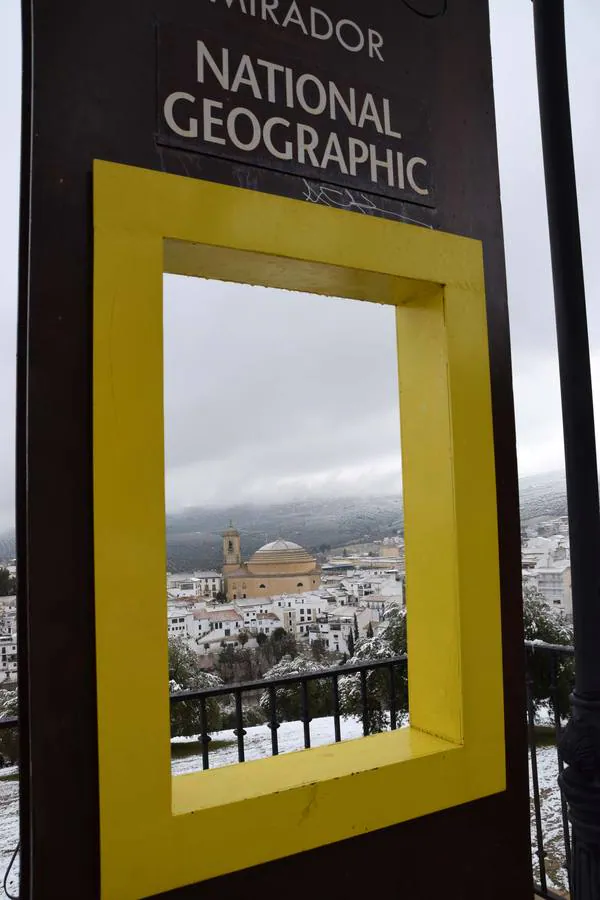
262	404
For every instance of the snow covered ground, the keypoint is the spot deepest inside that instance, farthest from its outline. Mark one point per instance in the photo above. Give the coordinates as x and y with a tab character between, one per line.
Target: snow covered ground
257	742
552	823
291	737
9	830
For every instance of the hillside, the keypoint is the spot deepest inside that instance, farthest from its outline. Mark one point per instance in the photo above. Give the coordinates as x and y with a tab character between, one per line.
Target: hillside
193	536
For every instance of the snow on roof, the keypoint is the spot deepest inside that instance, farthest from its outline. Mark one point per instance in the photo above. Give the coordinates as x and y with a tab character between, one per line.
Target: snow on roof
218	615
279	545
207	574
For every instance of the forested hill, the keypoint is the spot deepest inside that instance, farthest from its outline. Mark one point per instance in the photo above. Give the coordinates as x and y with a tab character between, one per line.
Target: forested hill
193	536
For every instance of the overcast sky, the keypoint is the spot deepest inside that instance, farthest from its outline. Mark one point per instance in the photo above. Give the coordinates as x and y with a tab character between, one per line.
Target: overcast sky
258	416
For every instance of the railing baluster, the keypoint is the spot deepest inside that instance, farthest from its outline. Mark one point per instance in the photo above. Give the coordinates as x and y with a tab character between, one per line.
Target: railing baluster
336	709
392	698
239	729
536	784
204	735
273	723
305	714
554	691
365	701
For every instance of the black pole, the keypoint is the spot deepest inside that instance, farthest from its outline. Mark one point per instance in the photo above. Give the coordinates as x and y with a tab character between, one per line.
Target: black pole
20	461
580	746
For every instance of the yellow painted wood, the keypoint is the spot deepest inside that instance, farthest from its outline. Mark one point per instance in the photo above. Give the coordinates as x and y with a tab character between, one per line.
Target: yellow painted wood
158	832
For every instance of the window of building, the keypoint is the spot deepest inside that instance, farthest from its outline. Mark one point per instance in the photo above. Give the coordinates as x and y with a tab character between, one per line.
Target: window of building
263	586
300	584
227	632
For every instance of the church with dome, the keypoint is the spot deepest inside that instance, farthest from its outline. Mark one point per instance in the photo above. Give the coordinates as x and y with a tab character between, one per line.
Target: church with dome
280	567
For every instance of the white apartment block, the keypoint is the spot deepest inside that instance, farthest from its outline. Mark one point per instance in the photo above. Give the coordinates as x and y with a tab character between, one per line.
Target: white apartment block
8	657
333	632
555	584
194	585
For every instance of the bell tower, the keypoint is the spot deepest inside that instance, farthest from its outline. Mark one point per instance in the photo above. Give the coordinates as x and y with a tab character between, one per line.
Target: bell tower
232	556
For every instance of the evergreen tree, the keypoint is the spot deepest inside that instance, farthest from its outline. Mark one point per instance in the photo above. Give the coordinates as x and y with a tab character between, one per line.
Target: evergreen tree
390	642
351	643
552	675
356	631
187	674
288	697
370	630
9	737
8	584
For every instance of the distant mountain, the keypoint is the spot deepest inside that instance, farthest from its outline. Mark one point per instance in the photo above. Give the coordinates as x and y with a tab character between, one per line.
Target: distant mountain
542	497
193	536
194	542
8	547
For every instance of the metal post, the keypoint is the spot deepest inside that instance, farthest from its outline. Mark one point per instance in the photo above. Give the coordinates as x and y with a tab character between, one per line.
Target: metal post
580	745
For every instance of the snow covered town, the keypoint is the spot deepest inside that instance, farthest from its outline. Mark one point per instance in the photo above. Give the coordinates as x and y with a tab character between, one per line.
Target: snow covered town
282	586
546	560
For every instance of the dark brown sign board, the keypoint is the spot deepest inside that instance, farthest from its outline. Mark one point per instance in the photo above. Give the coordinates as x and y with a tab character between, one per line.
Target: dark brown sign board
384	109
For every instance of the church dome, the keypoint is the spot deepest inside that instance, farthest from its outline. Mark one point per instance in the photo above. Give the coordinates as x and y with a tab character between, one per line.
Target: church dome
281	553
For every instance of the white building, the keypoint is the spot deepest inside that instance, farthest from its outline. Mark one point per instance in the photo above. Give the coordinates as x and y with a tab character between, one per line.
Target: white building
297	611
332	632
226	621
179	621
210	583
196	584
8	657
555	584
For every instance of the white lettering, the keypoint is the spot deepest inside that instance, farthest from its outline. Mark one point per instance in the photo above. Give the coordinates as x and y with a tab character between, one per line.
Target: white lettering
379	163
375	43
301	94
245	75
232	118
209	120
321	36
269	125
415	161
333	151
400	159
361	38
369	113
192	129
221	74
354	145
267	6
293	15
336	97
313	22
308	139
289	88
387	121
271	69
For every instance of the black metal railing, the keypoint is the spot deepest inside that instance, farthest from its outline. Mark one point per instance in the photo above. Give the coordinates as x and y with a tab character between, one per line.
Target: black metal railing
394	701
5	724
549	681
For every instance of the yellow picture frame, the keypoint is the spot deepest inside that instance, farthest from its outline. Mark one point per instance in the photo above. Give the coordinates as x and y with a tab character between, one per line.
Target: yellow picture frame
158	832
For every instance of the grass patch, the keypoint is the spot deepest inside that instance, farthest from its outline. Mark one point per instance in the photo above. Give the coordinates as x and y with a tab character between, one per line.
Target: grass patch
14	776
194	748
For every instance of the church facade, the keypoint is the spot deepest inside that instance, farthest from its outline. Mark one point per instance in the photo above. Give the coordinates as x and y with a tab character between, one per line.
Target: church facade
280	567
